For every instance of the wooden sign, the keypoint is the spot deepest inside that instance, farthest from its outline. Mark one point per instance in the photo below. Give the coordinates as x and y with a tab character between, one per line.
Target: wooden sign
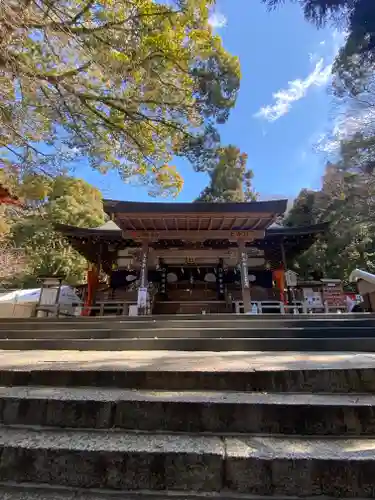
242	234
333	294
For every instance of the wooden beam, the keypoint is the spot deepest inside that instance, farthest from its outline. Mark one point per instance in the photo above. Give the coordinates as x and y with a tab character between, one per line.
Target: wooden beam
245	236
129	222
244	223
258	222
222	223
194	253
194	215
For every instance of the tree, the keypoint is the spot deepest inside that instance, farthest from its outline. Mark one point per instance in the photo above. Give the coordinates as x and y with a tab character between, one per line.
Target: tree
12	263
126	83
354	88
346	202
31	232
229	178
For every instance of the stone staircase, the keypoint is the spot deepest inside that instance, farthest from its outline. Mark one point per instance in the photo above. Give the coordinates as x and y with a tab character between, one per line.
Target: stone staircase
93	434
222	332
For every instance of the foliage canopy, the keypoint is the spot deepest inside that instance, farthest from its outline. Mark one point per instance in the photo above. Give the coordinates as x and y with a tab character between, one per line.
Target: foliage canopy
346	201
30	231
126	83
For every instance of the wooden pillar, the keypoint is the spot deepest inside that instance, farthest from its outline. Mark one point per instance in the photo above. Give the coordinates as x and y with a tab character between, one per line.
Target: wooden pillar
143	281
92	282
283	256
285	268
245	283
98	271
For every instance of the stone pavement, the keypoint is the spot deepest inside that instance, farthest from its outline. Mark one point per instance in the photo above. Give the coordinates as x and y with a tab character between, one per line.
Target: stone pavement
173	361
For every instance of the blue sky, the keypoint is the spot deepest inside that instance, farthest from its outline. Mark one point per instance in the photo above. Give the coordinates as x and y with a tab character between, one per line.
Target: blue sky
283	108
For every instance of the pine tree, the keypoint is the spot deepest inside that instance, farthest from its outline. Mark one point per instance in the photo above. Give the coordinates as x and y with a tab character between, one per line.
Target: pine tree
230	180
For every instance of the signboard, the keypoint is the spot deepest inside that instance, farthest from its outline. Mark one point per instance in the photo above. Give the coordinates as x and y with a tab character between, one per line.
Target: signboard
242	234
291	278
143	269
142	298
313	298
333	294
244	272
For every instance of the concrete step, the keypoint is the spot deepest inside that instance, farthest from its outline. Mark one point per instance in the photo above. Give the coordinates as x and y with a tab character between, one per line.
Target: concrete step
153	377
251	465
328	344
195	322
203	332
220	412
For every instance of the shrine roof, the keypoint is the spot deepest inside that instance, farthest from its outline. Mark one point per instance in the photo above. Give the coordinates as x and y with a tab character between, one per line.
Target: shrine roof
110	231
109	236
140	207
145	216
285	231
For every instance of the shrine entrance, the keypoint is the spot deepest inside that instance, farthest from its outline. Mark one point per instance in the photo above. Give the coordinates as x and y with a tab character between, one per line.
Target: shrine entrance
188	258
199	254
192	289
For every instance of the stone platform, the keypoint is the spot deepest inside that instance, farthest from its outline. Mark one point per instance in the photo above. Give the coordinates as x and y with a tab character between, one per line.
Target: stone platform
185	424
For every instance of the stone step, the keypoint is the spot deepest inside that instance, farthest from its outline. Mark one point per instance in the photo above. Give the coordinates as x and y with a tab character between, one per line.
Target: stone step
143	461
204	332
269	321
328	344
31	492
40	492
192	317
220	412
108	375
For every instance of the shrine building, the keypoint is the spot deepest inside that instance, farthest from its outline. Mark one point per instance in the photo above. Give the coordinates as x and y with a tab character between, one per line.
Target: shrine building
189	258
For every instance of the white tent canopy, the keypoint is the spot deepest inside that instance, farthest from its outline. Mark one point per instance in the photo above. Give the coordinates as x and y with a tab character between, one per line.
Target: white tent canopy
357	274
67	296
22	303
365	282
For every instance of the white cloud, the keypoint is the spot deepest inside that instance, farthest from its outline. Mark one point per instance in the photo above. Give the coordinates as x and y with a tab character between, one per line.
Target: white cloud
297	89
217	20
